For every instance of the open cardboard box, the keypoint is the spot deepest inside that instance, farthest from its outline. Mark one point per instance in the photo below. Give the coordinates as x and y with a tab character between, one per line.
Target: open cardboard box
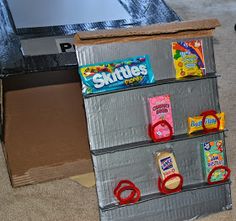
45	134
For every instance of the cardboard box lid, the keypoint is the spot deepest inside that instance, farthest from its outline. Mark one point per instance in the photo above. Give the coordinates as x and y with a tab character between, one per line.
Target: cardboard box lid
184	28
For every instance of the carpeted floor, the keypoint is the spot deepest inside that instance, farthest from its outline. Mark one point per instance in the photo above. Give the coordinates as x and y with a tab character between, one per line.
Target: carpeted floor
66	200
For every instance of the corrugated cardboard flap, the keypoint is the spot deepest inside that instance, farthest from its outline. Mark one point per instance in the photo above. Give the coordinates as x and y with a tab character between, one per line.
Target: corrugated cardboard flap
96	37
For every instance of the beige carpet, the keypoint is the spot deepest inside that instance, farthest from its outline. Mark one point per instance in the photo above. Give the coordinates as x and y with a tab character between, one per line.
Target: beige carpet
65	200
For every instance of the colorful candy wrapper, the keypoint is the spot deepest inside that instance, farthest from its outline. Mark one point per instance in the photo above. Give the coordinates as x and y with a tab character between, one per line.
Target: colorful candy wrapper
118	74
212	155
195	123
188	58
160	109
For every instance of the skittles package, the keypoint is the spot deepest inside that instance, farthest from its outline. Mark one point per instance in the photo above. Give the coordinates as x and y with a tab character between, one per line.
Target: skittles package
188	58
212	155
114	75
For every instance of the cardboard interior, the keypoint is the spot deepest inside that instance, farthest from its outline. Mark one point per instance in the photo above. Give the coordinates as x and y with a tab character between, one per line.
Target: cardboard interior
45	134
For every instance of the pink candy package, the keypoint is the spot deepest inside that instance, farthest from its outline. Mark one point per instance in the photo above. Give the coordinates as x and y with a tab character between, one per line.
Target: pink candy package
161	122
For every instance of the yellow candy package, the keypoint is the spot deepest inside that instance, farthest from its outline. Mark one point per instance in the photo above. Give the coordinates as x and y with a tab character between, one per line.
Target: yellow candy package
188	58
211	122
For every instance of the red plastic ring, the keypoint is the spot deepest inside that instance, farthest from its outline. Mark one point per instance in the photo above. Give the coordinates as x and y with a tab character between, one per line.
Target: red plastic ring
134	195
132	198
153	135
226	177
212	113
162	184
124	182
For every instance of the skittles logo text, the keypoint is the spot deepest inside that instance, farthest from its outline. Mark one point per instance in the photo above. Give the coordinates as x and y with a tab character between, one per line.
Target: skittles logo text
133	73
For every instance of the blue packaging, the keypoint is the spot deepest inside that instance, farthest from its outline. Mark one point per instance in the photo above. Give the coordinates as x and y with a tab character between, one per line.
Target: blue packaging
117	74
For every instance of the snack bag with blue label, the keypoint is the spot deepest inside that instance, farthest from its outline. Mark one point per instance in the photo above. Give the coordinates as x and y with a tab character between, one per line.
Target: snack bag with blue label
117	74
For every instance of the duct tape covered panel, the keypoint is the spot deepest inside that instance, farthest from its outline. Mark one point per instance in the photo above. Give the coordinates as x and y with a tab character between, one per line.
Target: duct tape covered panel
187	205
139	166
121	118
159	51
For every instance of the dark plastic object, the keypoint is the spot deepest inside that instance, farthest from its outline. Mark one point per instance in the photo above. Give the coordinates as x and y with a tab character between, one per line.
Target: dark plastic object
143	12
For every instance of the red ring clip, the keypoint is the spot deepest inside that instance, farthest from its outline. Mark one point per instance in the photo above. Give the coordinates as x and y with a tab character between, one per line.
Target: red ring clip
123	186
212	113
226	177
153	135
162	184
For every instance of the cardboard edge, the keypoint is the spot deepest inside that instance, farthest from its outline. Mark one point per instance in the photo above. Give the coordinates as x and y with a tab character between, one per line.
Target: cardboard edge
86	180
51	172
155	29
5	155
183	34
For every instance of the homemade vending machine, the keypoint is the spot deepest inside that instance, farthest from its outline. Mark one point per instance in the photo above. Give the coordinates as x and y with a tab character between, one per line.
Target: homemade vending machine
155	127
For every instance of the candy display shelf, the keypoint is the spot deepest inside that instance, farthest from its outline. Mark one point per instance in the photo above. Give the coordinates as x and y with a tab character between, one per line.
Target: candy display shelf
186	205
118	122
158	195
138	166
160	82
126	113
144	144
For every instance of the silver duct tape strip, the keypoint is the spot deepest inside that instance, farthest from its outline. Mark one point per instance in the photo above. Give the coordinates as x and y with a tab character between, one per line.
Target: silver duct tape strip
122	118
138	165
159	51
187	205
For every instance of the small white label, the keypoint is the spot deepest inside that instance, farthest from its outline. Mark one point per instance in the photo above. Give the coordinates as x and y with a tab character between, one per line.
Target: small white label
65	45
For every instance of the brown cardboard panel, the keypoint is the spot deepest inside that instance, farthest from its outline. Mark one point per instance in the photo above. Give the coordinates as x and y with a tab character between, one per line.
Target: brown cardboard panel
155	29
45	133
179	35
174	29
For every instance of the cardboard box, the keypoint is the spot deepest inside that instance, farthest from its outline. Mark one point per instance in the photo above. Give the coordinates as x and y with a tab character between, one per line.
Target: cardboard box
45	134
